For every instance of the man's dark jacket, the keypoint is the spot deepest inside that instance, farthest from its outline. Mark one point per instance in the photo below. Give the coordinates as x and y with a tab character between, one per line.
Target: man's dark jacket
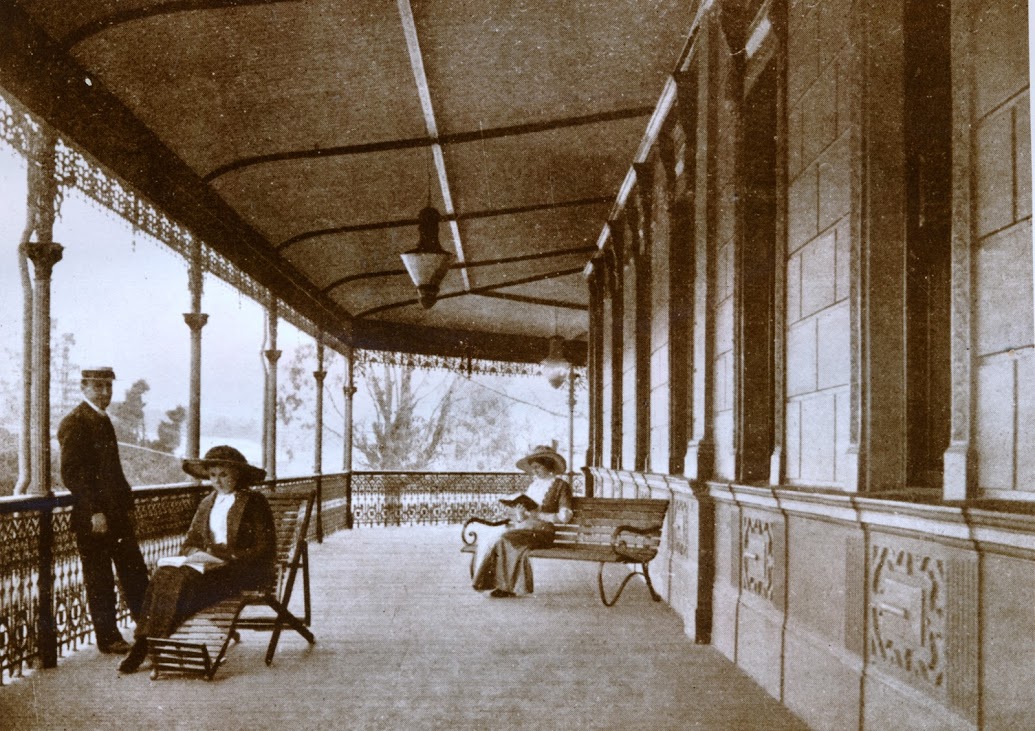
91	470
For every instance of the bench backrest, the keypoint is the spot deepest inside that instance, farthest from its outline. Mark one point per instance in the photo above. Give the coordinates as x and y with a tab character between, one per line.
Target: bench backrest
595	520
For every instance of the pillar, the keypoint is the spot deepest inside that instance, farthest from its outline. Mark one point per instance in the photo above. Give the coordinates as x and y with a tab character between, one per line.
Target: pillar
319	375
195	320
270	412
44	256
349	391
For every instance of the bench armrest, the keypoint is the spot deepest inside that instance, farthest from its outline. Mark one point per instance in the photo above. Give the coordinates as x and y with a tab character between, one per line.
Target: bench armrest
470	536
619	545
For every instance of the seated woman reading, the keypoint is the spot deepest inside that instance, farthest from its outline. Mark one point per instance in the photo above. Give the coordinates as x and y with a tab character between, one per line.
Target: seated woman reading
501	564
230	546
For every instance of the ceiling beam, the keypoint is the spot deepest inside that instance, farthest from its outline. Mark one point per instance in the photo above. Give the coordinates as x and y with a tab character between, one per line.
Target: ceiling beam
535	301
485	213
103	23
445	140
470	265
475	290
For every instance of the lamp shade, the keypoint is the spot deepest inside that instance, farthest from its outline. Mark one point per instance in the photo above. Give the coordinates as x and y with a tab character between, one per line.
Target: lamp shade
428	263
555	365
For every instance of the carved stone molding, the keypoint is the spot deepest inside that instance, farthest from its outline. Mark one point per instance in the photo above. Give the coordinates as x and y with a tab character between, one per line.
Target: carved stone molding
907	608
681	510
757	561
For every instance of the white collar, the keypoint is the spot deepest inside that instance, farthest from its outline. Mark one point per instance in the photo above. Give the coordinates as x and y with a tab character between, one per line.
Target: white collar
95	407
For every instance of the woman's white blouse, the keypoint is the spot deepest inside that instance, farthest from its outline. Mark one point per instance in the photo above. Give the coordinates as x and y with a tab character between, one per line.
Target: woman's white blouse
217	518
538	489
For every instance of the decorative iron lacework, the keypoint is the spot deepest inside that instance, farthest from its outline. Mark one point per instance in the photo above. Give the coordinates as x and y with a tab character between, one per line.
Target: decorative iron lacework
456	364
433	498
163	517
75	170
16	126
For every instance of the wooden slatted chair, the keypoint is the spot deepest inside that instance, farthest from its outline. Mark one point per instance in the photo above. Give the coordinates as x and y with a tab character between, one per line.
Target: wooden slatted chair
199	645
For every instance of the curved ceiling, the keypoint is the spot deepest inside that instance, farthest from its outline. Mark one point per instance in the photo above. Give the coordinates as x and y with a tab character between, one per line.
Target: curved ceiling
303	137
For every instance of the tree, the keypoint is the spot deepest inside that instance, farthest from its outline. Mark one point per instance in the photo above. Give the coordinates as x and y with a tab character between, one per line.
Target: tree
482	437
410	423
398	437
64	376
170	430
128	414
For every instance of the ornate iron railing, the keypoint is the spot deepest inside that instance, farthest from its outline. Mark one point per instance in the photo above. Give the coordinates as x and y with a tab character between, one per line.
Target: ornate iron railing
408	498
39	557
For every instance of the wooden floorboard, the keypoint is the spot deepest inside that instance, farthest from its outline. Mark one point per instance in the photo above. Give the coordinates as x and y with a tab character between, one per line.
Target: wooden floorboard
404	643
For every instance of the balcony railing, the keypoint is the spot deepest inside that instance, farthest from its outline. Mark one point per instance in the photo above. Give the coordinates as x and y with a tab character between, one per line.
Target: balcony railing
43	610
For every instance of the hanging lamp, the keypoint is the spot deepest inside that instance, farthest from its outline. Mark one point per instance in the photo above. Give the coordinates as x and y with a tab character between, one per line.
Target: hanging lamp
428	263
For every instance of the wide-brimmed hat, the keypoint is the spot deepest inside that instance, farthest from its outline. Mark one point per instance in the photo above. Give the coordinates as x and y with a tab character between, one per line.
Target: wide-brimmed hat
224	455
545	454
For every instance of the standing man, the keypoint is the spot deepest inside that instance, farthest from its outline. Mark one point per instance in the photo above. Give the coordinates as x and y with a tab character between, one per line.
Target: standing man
102	516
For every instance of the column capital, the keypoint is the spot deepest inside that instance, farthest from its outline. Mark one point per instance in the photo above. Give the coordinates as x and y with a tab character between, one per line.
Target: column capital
349	391
44	256
272	355
319	376
195	320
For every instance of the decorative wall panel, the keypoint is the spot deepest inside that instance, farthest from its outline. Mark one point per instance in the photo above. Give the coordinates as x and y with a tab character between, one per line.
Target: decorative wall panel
680	532
758	565
907	608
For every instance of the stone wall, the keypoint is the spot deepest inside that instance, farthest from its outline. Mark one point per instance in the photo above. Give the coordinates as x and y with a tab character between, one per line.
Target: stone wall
854	612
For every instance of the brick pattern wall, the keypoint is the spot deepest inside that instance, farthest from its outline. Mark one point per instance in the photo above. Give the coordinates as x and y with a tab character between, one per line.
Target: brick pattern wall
1005	394
819	242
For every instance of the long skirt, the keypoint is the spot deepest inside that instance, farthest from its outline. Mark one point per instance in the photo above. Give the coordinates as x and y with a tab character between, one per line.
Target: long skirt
502	559
176	593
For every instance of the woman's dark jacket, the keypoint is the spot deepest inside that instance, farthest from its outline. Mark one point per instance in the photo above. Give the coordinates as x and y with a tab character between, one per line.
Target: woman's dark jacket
251	544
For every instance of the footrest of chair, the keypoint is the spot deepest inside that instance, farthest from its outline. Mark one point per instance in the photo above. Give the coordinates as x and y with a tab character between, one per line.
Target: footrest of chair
199	645
176	656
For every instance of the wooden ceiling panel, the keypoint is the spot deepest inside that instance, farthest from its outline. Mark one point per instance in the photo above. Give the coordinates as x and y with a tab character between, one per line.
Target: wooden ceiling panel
569	290
572	163
358	254
290	198
475	312
228	84
539	232
504	62
388	293
61	18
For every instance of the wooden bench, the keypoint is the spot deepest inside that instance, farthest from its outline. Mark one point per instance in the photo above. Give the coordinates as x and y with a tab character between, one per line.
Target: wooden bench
199	645
602	530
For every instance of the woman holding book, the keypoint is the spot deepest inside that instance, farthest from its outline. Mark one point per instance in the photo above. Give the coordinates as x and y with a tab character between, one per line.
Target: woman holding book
501	565
230	546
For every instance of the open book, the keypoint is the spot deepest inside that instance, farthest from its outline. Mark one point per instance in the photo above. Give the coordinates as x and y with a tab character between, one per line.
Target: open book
199	561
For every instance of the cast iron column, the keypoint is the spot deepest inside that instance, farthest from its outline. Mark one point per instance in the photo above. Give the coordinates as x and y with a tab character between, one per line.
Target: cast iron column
270	430
350	391
319	374
195	320
44	256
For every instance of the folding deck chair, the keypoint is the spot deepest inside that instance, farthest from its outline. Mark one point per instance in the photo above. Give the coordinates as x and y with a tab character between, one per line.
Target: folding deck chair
199	645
